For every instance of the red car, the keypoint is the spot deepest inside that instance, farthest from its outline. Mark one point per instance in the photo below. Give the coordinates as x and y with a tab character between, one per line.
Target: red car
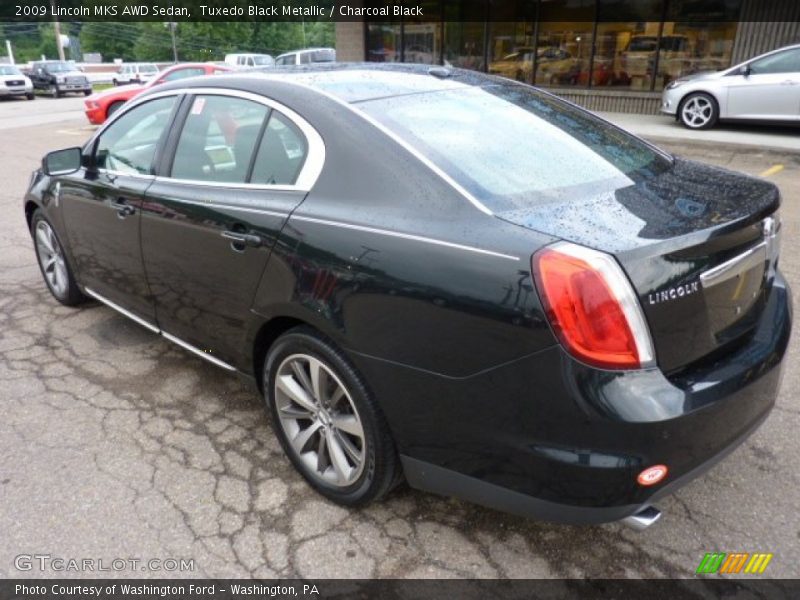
103	104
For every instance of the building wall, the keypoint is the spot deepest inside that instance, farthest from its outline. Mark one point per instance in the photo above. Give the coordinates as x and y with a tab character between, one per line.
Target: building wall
765	26
350	42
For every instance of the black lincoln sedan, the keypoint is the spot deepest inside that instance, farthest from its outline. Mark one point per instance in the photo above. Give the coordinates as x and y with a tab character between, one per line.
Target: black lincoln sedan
435	275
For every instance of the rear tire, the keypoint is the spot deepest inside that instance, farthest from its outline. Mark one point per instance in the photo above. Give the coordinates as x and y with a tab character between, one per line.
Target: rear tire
114	82
698	111
327	421
53	262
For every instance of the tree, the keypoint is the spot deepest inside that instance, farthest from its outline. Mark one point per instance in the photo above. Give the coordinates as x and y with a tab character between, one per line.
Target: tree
111	40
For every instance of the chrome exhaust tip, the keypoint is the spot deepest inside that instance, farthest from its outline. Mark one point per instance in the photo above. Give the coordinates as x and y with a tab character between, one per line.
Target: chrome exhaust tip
642	519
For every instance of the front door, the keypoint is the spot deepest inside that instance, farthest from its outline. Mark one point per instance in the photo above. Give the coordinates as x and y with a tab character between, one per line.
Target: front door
770	91
209	226
102	207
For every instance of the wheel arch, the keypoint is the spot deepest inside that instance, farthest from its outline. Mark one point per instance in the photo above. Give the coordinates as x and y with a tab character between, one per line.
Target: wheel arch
30	208
266	336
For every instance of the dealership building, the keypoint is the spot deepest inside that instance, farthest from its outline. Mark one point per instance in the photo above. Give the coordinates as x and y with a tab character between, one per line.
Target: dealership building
612	55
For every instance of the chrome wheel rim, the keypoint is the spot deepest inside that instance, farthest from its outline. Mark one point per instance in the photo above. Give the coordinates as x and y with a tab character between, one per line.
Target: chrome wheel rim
697	111
320	420
51	259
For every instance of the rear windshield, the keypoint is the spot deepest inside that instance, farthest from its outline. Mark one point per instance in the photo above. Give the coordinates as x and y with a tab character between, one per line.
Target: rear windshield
511	145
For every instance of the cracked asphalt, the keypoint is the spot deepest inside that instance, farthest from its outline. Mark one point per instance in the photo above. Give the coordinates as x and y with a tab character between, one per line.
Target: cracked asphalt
115	443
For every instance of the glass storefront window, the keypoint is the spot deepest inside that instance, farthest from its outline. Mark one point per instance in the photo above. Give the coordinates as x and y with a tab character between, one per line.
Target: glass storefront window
639	45
564	47
687	48
383	42
465	34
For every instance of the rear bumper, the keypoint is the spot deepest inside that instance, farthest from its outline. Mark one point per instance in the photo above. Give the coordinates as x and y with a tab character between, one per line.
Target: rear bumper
550	438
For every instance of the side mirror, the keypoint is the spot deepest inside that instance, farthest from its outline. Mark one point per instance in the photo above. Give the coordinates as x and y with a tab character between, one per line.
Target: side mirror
62	162
745	70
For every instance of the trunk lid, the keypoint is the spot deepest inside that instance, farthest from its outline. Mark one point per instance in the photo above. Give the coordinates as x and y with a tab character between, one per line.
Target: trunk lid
698	243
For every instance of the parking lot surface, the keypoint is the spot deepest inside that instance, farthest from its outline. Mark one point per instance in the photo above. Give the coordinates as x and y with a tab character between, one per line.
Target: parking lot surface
117	444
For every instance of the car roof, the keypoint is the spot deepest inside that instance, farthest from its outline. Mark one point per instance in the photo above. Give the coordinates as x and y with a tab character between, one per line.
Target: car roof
360	82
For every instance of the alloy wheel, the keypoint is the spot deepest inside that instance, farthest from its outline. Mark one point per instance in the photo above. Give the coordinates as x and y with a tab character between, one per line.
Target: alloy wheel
320	420
697	111
51	259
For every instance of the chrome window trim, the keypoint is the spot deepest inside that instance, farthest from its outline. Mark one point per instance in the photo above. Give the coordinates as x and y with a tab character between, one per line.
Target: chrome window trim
405	236
388	132
315	156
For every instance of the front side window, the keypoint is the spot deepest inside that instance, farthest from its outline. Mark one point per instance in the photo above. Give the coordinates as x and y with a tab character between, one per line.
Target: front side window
218	139
281	154
782	62
129	144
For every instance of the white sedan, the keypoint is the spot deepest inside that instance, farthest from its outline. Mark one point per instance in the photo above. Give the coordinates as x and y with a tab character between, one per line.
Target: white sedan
764	88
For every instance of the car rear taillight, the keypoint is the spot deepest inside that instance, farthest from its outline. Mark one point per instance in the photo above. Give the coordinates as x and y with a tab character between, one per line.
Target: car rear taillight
591	307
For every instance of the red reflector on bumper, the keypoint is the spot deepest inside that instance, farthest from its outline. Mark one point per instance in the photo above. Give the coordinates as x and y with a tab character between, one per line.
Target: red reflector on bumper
652	475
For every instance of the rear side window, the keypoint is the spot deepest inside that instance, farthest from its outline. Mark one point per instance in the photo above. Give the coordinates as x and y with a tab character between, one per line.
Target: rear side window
281	154
129	144
218	139
305	58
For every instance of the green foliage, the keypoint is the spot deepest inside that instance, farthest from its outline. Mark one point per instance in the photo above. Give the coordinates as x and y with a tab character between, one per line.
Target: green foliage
151	41
111	40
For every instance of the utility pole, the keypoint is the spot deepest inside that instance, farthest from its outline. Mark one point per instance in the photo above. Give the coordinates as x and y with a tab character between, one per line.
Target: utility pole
172	25
57	27
10	53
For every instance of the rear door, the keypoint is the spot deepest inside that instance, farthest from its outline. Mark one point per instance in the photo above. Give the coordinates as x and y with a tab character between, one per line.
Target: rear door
770	91
209	223
102	203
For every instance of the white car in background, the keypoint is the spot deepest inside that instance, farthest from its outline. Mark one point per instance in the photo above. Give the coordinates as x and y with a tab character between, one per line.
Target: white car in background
249	60
764	88
14	83
308	56
135	73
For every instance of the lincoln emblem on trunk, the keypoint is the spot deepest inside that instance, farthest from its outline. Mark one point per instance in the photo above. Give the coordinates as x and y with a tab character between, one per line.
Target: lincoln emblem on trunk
674	292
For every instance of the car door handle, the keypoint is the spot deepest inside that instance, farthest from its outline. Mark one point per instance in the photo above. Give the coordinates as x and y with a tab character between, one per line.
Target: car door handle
789	82
123	208
243	239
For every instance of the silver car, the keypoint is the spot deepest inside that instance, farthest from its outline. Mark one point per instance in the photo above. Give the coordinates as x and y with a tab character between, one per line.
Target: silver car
766	87
14	83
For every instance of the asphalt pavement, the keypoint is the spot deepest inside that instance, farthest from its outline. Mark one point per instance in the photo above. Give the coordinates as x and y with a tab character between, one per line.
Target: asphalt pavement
117	444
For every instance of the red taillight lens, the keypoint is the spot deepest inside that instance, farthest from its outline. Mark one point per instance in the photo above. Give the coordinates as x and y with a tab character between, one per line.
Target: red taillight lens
591	306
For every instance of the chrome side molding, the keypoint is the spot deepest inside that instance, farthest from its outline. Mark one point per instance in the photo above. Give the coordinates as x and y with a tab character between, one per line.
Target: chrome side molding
149	326
121	310
642	519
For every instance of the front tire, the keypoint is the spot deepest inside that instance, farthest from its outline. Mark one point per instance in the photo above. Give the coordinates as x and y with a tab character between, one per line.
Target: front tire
87	92
54	91
30	96
327	421
53	262
698	111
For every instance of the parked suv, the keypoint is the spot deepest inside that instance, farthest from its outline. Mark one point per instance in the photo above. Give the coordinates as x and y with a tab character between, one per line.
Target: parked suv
307	56
135	73
249	60
58	77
